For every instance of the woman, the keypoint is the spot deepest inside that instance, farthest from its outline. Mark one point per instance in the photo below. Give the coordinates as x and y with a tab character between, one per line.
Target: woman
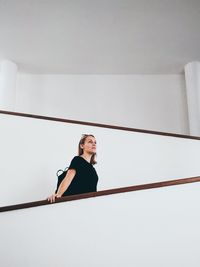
81	176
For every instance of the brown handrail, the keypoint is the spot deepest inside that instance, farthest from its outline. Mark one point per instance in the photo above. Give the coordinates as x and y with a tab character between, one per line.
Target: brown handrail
98	125
102	193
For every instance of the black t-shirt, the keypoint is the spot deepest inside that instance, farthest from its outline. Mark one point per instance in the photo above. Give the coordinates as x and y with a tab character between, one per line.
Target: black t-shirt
85	180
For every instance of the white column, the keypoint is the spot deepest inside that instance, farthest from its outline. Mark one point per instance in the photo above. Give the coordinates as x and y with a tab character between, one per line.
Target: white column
8	76
192	78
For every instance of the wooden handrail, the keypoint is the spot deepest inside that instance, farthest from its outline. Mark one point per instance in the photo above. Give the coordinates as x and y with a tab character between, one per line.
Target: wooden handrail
98	125
102	193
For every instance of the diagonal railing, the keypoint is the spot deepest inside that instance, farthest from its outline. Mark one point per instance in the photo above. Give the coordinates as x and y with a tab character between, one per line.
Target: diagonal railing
102	193
98	125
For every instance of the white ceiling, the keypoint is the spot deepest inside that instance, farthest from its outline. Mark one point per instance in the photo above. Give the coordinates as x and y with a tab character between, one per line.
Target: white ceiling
100	36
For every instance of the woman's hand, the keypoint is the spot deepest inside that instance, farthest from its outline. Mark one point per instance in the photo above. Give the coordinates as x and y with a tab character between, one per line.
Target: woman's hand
63	186
53	197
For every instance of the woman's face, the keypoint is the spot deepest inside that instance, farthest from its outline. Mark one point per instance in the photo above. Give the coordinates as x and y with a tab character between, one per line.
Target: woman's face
90	145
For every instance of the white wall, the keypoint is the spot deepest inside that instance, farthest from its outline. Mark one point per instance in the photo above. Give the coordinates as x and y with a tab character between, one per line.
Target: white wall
154	102
154	228
33	150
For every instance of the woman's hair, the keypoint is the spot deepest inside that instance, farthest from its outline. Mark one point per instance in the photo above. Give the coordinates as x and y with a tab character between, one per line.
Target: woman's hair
80	150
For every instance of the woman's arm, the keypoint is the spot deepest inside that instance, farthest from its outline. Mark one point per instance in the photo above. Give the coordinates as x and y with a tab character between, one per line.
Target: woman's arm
64	185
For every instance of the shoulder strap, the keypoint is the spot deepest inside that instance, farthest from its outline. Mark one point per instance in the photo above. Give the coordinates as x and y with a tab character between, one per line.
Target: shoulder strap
60	171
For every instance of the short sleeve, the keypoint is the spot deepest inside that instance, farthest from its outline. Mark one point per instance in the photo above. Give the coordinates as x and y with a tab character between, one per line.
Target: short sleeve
74	163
